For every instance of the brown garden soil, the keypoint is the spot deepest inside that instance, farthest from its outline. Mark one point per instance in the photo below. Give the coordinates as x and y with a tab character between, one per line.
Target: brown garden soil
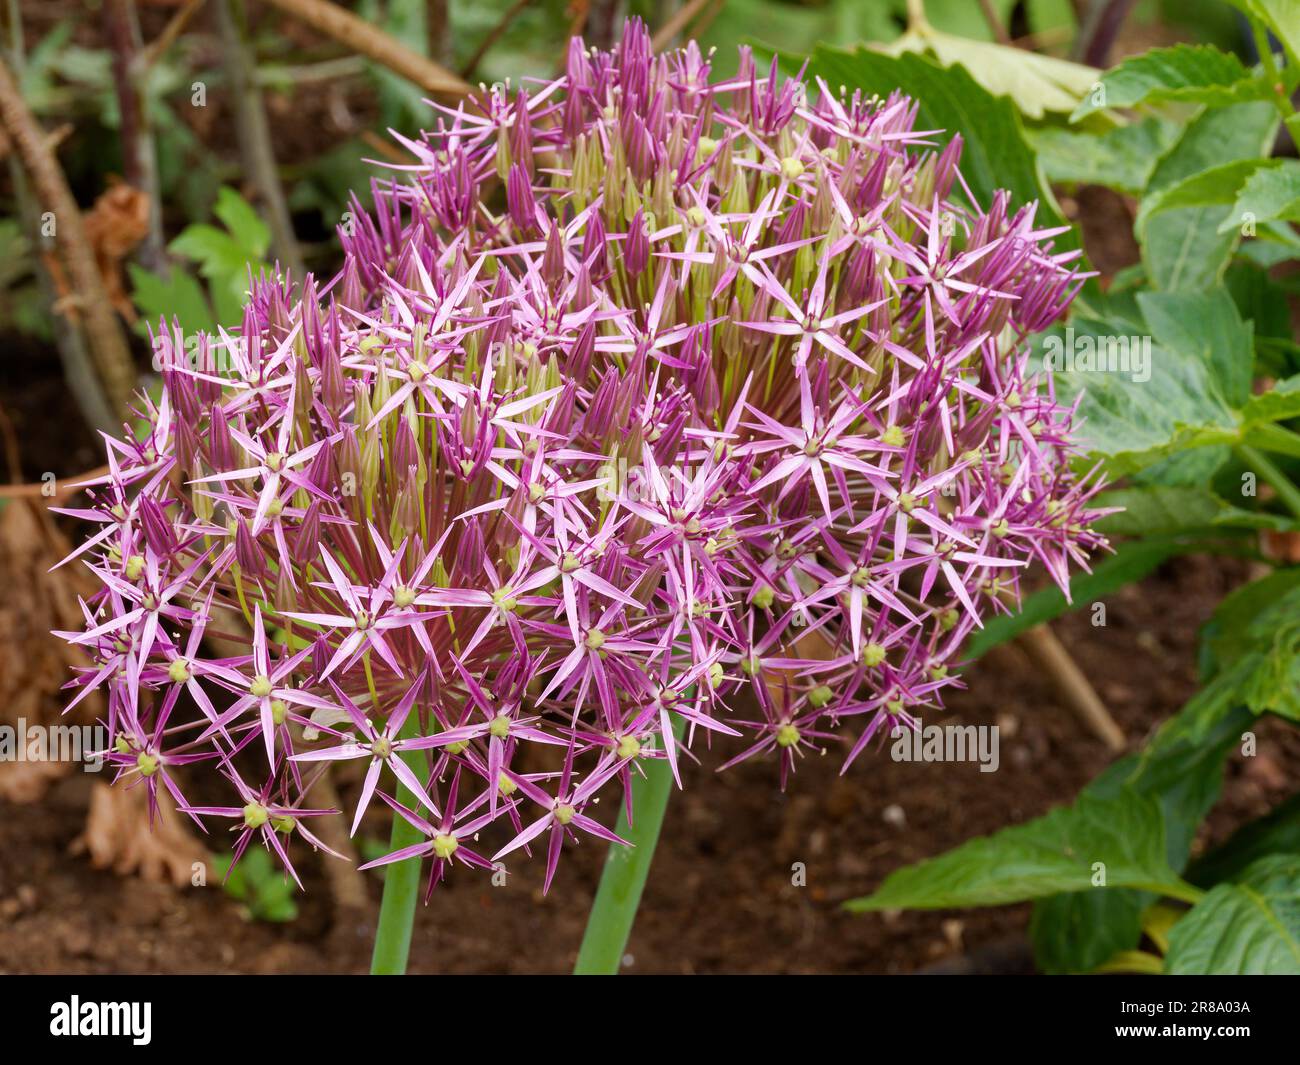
720	895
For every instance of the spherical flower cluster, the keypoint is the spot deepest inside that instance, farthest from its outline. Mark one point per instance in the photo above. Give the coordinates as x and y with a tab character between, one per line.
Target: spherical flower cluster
646	415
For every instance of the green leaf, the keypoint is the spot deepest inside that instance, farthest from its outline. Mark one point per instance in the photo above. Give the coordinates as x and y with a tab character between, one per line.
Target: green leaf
178	297
1185	468
1252	645
1078	931
995	154
1273	243
1182	766
1279	403
222	261
1178	510
1205	327
1218	185
1052	854
1274	681
1123	157
216	251
1264	302
1270	193
1182	247
278	911
1158	509
1278	832
249	231
1254	640
1036	83
1131	562
1228	635
1248	927
266	892
1282	17
1198	391
1182	770
225	256
1185	73
1130	423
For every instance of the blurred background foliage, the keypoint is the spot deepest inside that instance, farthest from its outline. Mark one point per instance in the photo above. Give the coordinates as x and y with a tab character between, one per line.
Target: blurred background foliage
329	108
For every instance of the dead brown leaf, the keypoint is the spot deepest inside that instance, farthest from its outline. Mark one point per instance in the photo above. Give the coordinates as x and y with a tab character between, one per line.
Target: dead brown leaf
33	664
118	836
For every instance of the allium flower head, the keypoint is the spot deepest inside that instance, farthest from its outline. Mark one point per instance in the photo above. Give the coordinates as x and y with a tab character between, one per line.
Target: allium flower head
648	414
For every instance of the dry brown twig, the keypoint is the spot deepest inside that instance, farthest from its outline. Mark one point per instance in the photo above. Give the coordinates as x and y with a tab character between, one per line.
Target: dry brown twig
62	489
998	30
53	139
254	132
680	19
361	36
155	49
106	340
1050	656
493	35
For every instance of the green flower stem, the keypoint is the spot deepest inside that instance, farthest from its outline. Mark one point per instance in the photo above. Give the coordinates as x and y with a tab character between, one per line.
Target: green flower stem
401	879
1273	475
610	922
1281	99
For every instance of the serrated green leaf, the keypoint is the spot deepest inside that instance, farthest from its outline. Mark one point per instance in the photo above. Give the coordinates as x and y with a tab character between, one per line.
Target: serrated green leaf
1205	327
1035	83
1184	73
1273	243
1252	645
1219	185
1274	683
1182	770
1055	853
1078	931
1248	927
1270	193
1278	832
1201	359
250	233
1132	424
1173	510
1158	509
1183	469
1282	17
179	297
1182	248
1121	158
1279	403
1227	636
